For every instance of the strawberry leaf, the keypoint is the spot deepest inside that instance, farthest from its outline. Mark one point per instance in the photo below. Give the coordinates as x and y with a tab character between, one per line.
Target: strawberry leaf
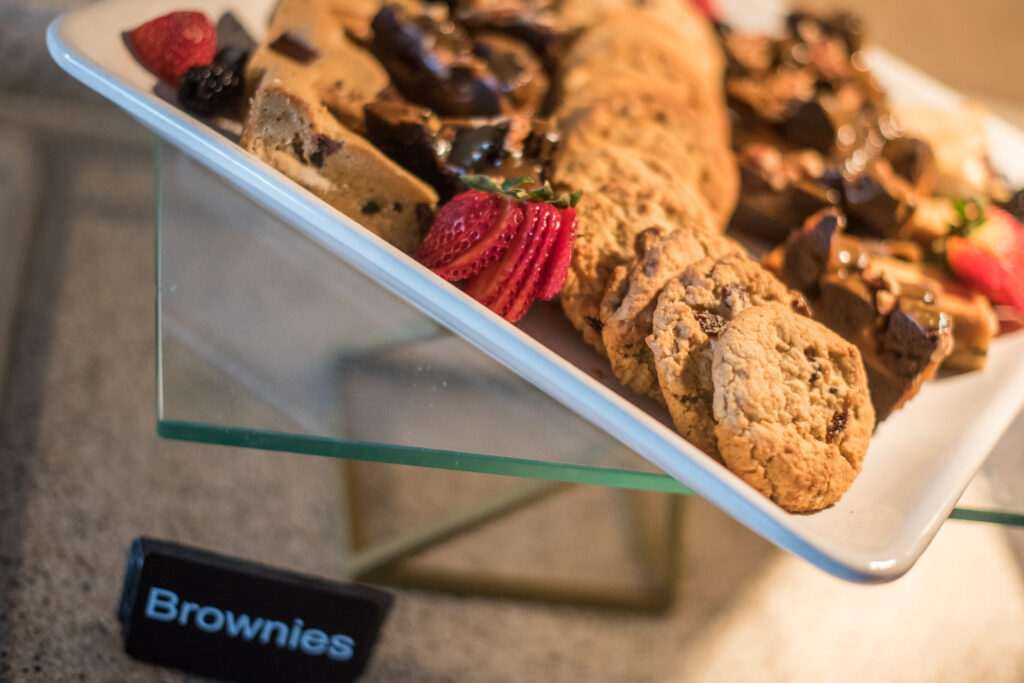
482	183
971	215
512	183
544	194
512	187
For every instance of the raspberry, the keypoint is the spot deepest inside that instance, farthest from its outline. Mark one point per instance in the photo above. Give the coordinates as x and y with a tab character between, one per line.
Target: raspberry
170	45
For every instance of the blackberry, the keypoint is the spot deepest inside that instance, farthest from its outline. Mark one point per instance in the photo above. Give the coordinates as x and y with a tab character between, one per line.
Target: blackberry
212	88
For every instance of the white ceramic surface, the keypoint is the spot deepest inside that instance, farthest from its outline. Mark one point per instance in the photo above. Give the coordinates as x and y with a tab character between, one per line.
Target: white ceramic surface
920	460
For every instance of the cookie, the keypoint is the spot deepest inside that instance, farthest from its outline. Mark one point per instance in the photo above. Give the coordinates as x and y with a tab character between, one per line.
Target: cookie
690	313
662	126
640	67
627	309
623	195
613	23
792	406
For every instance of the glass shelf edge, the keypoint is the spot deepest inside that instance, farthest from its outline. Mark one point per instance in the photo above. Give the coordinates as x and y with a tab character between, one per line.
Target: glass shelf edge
470	462
422	457
1007	519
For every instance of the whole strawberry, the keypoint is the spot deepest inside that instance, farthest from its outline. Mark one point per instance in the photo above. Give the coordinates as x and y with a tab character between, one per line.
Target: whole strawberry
170	45
510	246
986	252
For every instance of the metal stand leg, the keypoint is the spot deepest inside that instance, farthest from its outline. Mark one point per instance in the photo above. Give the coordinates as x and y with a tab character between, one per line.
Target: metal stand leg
654	527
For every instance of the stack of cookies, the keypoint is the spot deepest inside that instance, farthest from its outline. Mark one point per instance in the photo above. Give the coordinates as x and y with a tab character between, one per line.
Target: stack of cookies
645	134
683	314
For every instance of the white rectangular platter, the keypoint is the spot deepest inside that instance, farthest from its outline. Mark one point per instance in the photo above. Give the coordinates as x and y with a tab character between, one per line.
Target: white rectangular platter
920	460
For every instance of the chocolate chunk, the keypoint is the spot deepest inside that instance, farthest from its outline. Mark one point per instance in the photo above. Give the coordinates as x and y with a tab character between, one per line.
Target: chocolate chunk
294	46
914	340
772	213
913	331
441	152
502	148
431	63
408	134
809	251
370	208
710	323
327	145
809	125
545	38
424	217
231	33
846	305
908	157
837	425
469	91
541	142
873	206
519	72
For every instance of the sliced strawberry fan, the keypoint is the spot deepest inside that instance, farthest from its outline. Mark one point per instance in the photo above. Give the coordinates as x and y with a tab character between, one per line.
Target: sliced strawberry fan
470	232
510	245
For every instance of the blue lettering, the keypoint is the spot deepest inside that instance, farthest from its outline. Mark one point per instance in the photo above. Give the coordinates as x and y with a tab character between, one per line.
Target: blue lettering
282	632
314	642
165	605
342	648
293	639
161	604
244	625
205	624
186	609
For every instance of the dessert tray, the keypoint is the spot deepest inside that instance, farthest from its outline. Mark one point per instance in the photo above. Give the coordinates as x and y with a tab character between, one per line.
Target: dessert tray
920	461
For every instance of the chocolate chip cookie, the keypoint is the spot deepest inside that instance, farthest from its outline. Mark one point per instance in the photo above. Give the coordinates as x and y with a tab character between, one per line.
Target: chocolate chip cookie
792	405
664	126
624	194
627	308
692	311
678	26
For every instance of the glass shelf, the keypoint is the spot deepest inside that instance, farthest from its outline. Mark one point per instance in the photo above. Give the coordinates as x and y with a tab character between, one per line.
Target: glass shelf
265	340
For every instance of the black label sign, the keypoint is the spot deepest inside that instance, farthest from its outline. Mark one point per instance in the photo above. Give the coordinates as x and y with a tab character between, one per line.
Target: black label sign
239	621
